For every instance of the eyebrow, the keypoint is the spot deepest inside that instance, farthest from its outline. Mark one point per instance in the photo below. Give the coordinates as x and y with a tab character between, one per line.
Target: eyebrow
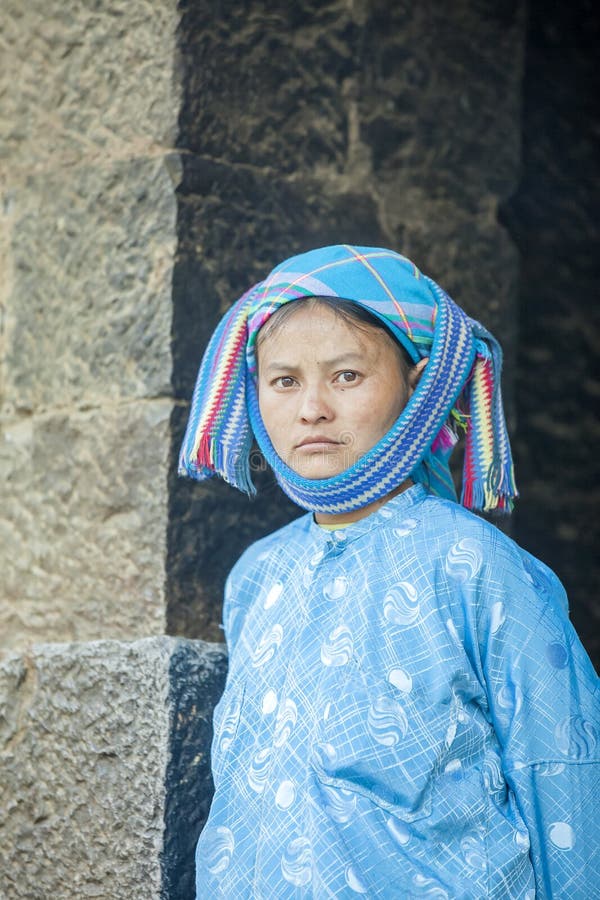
342	359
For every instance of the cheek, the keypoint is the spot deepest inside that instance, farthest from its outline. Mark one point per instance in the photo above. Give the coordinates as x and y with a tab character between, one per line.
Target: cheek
264	408
271	413
400	402
398	393
384	404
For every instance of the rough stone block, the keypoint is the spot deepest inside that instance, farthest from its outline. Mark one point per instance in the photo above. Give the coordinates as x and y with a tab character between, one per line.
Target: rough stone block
105	779
426	93
439	97
88	80
197	673
471	256
6	269
279	66
89	313
83	528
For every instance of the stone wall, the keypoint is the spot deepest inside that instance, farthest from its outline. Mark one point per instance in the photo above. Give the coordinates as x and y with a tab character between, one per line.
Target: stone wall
99	793
105	771
88	239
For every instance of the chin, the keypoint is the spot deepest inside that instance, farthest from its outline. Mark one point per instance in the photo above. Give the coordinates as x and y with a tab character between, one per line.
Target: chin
321	469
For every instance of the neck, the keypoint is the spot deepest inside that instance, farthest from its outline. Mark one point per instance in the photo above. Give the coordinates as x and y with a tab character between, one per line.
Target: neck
357	514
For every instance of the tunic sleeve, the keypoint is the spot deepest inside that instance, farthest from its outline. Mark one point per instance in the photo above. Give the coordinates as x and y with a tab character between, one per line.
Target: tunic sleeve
233	605
544	704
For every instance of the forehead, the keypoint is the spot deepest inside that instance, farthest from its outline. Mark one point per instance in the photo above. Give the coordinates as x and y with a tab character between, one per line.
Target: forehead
317	324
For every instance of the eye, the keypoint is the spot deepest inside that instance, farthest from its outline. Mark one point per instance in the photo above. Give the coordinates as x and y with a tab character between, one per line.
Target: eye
284	381
348	377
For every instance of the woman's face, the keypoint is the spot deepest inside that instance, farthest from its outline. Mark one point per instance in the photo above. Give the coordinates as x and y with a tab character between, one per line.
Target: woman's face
328	390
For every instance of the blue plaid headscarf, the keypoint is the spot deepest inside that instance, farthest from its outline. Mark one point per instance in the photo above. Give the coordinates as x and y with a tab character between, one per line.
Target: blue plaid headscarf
460	384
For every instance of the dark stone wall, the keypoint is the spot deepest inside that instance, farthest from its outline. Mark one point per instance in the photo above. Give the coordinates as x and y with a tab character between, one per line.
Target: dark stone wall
554	221
303	124
196	679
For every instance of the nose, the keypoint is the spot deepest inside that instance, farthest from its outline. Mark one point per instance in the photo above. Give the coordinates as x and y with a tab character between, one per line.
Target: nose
314	406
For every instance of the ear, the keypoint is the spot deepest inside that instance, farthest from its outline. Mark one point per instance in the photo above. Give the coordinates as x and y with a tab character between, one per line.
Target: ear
415	373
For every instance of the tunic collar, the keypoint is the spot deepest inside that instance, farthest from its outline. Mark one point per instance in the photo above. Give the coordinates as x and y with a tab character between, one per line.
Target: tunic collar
396	508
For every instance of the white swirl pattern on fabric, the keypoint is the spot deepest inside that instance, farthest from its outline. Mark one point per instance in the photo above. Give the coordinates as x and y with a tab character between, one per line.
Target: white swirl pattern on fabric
576	736
401	606
472	847
285	795
401	680
427	887
273	595
267	646
287	716
219	850
399	830
335	589
269	703
387	721
259	769
229	726
353	881
340	803
562	835
407	527
337	651
464	560
296	862
309	571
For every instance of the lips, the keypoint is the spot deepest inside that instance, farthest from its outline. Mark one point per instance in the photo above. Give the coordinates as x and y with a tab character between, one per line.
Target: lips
316	440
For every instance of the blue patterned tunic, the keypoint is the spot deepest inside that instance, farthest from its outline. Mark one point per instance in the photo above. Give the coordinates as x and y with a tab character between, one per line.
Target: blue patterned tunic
408	713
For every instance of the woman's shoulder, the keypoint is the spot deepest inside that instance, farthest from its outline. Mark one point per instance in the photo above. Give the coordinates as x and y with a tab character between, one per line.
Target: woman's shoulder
284	539
463	535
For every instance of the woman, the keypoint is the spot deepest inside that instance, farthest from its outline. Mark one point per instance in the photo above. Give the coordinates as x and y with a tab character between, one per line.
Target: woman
408	711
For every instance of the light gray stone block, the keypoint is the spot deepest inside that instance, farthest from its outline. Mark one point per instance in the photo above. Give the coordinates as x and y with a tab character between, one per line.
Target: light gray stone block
89	309
83	759
86	80
88	759
5	285
83	525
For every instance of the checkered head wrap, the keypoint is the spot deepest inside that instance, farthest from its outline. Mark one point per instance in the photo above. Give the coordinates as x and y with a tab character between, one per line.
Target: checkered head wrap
460	386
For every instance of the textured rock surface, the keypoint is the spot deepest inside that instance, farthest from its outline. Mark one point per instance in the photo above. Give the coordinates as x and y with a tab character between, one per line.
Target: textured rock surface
89	313
196	678
554	220
82	806
104	773
82	531
87	243
93	737
85	80
379	123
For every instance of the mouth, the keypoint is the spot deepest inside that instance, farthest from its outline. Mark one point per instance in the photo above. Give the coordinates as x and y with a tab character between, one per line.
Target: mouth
316	442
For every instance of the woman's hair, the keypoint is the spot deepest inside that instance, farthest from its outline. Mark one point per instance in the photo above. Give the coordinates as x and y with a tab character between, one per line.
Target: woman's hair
350	313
